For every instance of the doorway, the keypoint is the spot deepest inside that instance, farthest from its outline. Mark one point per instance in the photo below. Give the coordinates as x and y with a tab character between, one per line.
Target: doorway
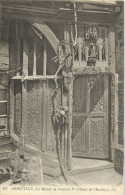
90	134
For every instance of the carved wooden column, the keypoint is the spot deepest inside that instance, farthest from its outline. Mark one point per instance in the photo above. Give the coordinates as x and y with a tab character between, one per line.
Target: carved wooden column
70	105
111	49
24	86
114	114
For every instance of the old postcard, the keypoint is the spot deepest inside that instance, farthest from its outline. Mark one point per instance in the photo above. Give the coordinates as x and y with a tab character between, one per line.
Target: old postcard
61	97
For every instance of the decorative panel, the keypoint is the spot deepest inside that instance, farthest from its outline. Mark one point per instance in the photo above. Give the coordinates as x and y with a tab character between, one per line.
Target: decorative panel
96	83
78	134
96	135
32	132
17	107
79	94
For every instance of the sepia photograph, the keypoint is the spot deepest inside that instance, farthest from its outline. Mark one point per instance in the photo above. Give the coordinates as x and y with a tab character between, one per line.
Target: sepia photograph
61	96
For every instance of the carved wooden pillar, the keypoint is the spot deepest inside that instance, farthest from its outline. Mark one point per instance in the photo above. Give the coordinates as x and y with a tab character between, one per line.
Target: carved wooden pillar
68	49
24	86
70	105
112	115
68	89
111	49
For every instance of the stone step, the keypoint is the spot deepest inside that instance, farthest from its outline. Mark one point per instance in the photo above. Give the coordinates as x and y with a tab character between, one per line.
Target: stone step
52	163
55	172
90	169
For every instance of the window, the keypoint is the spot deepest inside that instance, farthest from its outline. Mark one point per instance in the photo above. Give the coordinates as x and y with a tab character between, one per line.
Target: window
91	43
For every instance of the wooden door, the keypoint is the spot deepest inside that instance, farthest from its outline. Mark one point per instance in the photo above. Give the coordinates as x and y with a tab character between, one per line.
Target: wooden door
90	136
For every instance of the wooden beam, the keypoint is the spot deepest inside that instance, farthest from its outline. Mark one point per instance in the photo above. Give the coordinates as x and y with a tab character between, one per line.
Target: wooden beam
48	33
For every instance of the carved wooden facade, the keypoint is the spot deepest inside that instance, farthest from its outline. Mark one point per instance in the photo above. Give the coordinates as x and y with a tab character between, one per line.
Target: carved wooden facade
86	85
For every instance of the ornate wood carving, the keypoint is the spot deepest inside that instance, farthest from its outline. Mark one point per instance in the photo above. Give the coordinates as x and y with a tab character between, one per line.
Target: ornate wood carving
90	128
70	115
112	82
32	131
79	94
51	139
96	83
96	135
78	134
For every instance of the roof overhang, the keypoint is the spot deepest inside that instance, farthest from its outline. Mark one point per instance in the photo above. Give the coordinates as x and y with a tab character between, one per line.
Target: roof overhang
60	11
